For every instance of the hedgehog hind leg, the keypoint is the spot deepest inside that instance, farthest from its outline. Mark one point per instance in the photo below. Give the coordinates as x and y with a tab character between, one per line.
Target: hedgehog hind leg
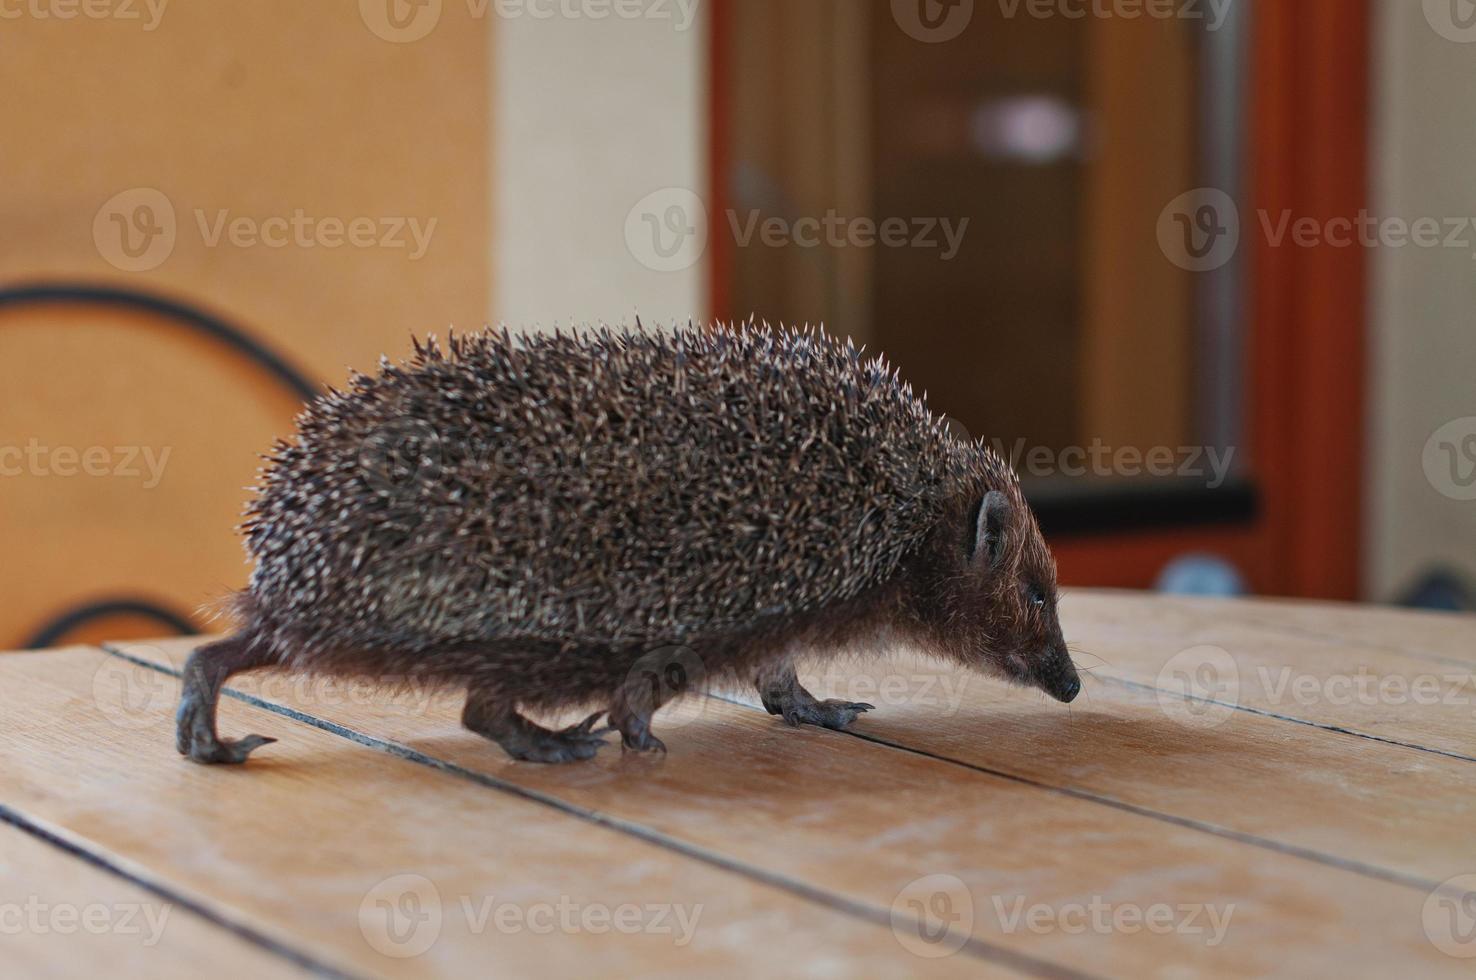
493	716
784	695
205	673
631	713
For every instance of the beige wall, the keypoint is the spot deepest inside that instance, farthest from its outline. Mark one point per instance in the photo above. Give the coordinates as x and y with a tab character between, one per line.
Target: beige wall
1424	299
592	117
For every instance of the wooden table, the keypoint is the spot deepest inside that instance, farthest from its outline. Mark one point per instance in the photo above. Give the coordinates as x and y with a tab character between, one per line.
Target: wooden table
1243	788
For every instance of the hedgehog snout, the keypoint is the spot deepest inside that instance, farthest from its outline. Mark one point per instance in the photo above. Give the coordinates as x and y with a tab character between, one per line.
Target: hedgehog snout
1060	680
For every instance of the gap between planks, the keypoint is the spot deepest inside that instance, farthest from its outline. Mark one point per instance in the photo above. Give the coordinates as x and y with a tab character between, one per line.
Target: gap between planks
77	850
872	914
1365	868
655	836
819	937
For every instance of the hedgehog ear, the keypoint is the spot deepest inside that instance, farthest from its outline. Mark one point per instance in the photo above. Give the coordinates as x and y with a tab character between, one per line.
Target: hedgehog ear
990	528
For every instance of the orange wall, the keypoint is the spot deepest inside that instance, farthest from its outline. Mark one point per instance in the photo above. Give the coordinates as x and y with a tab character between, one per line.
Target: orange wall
259	110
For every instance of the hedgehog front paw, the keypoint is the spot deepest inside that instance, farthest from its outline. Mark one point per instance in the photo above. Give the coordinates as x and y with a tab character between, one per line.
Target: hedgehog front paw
572	744
196	740
826	714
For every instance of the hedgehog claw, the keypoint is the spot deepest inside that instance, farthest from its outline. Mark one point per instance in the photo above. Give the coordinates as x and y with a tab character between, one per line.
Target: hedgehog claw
225	750
831	714
635	732
641	741
195	737
522	739
783	695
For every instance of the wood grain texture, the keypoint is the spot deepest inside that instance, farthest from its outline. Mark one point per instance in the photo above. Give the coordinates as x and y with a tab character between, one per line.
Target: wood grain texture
1427	635
1356	676
1335	799
61	917
304	846
1154	815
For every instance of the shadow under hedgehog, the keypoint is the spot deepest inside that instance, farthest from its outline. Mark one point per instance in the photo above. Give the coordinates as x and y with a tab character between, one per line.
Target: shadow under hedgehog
528	517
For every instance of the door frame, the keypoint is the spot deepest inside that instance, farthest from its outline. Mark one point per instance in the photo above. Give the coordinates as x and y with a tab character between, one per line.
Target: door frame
1306	330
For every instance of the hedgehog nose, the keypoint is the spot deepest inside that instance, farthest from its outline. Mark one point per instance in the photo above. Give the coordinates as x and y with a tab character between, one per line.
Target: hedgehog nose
1070	689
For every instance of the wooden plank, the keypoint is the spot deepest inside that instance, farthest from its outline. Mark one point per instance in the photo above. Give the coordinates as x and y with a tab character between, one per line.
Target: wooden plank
1438	636
867	822
60	916
1367	686
307	847
1321	795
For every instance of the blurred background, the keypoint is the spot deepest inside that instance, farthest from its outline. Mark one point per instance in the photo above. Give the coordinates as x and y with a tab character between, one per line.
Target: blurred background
1203	268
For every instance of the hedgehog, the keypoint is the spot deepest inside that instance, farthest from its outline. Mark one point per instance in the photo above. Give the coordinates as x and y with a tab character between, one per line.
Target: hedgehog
608	518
